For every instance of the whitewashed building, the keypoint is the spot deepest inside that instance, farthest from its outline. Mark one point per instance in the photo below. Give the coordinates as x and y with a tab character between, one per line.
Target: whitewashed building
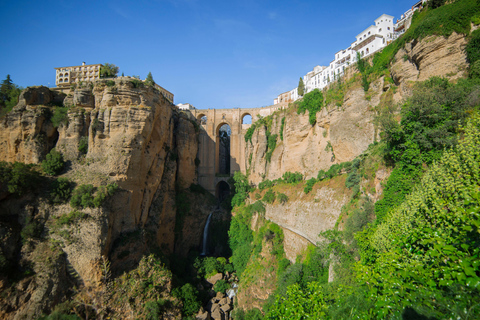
65	76
185	106
369	41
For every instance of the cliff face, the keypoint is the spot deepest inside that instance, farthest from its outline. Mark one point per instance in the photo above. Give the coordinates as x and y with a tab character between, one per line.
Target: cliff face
137	140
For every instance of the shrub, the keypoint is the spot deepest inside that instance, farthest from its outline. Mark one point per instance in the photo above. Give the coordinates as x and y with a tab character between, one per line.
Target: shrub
221	286
61	190
18	177
271	145
282	127
313	102
309	185
333	171
353	179
60	116
269	196
83	145
110	83
189	296
242	187
265	184
282	198
473	47
82	196
257	207
290	177
321	175
32	230
53	164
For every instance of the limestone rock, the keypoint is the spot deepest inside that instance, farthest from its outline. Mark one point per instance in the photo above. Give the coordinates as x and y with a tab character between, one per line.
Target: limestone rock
202	315
213	280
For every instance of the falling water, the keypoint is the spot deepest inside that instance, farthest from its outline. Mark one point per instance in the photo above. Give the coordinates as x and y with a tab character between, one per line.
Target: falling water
205	236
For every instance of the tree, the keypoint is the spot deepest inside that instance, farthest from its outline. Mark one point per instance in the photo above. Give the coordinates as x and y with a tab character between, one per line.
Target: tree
108	70
9	93
149	80
301	87
53	164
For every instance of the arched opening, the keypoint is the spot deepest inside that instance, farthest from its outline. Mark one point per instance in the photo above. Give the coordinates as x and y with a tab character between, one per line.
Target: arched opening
223	141
202	118
222	190
247	119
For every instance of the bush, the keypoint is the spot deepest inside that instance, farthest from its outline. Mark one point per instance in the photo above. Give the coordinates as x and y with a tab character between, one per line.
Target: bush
242	187
265	184
282	127
290	177
282	198
313	102
271	145
32	230
53	164
221	286
189	296
269	196
60	116
309	185
18	177
473	47
83	145
61	190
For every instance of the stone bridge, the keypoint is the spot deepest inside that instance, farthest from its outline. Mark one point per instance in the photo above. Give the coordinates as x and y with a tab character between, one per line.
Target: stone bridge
211	120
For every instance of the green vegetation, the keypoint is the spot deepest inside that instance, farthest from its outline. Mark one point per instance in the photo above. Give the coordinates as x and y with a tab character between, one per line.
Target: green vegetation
282	198
442	21
269	196
293	178
61	189
87	196
473	47
9	93
282	127
189	296
54	163
149	80
18	178
108	70
301	87
83	145
271	145
309	185
71	218
242	187
313	102
60	116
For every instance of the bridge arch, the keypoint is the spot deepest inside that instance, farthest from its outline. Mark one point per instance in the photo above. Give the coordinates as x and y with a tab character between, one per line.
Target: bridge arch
222	190
223	148
246	118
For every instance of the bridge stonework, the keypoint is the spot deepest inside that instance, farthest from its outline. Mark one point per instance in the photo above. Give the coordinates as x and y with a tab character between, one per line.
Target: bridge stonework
209	141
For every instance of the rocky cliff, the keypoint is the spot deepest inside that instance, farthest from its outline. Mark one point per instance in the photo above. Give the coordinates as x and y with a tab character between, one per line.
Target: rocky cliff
137	140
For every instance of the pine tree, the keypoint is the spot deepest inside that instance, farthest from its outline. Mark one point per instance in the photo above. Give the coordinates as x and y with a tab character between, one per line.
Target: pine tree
108	70
301	87
5	88
149	80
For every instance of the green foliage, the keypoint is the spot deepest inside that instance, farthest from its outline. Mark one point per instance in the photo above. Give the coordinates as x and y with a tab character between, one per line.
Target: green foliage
32	230
61	189
335	94
108	70
269	196
282	127
443	21
265	184
299	304
252	314
71	218
292	178
9	93
83	145
240	239
60	116
271	144
249	133
136	83
242	188
473	47
149	80
189	296
110	83
313	102
309	185
301	87
155	309
53	164
18	178
282	198
433	4
474	72
221	286
426	251
87	196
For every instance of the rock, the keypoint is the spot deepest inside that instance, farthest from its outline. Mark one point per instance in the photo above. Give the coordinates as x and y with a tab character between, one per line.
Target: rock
213	279
217	314
223	301
219	296
226	308
35	96
202	315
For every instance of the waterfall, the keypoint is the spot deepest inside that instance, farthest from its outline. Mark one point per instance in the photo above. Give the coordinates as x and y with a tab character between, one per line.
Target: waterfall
205	236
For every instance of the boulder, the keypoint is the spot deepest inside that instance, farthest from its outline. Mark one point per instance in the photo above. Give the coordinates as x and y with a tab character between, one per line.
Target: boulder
213	279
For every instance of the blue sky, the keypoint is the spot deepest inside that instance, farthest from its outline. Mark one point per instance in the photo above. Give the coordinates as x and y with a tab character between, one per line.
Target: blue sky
212	54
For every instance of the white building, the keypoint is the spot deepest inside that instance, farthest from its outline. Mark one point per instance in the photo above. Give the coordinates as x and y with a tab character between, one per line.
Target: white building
185	106
369	41
375	37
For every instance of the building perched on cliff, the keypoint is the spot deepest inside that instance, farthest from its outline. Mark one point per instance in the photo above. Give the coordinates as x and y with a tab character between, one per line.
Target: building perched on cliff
367	42
67	76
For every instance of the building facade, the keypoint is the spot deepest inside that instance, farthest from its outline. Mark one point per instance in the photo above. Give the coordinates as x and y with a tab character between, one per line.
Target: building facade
67	76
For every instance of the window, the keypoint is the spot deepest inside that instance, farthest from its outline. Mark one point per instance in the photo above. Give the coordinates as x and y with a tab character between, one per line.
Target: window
368	32
380	30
